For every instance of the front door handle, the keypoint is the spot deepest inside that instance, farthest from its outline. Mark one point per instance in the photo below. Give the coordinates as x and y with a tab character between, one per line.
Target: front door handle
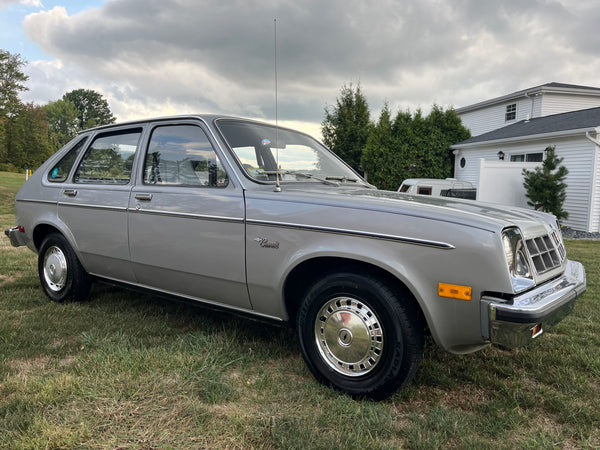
70	192
143	197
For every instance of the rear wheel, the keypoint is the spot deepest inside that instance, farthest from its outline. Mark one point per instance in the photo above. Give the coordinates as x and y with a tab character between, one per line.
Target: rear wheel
62	276
359	336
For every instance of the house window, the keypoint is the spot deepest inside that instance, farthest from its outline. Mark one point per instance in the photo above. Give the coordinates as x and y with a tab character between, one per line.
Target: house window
527	157
511	112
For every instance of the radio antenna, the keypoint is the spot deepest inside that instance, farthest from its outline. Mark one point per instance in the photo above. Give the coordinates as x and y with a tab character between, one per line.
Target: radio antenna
277	186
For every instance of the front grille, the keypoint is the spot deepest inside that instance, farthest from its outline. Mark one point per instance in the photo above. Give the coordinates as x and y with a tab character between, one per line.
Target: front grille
547	252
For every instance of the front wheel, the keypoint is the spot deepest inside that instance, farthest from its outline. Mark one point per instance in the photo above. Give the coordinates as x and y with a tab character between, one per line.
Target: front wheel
359	336
62	276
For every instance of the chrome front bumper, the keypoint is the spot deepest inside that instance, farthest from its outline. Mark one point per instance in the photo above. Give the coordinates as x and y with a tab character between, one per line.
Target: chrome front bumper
17	238
514	323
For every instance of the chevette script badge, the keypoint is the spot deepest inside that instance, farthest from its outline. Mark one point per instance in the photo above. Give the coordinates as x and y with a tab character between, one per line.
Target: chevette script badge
266	243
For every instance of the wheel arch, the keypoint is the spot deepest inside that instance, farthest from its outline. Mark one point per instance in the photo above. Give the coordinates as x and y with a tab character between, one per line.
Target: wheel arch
41	231
301	278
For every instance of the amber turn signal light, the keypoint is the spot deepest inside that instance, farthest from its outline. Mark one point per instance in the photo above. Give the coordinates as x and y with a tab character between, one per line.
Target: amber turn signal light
455	291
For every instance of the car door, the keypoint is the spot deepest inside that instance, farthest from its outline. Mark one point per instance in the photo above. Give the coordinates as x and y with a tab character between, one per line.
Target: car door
186	219
93	204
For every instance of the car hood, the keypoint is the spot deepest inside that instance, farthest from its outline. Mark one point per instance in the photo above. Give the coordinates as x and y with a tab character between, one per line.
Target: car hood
486	216
480	214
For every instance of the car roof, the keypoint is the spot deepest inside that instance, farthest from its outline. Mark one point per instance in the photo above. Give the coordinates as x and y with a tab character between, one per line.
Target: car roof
204	117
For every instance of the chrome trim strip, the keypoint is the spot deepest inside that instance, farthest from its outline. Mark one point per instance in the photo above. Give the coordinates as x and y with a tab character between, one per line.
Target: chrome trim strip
84	205
387	237
189	297
188	215
45	202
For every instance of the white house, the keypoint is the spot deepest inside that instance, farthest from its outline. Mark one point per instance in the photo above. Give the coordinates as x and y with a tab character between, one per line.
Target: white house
539	101
516	128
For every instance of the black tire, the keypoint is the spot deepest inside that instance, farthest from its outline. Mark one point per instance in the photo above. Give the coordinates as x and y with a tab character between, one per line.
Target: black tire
359	336
62	276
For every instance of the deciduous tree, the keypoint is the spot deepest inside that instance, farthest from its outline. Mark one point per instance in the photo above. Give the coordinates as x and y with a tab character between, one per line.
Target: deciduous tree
12	83
93	108
28	138
63	120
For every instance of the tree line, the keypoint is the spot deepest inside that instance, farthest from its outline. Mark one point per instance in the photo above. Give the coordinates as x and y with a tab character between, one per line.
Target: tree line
393	148
30	133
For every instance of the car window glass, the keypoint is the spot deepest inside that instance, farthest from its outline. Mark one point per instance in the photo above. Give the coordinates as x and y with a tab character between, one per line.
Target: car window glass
266	152
182	155
60	171
109	159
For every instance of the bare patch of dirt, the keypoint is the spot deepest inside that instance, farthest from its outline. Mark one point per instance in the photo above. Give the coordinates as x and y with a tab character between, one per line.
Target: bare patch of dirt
26	366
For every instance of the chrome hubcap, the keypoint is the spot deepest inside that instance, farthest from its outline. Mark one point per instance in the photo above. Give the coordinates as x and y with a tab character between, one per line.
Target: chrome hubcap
55	268
349	336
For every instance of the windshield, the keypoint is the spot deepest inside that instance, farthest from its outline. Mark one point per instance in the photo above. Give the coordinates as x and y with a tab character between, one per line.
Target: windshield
301	158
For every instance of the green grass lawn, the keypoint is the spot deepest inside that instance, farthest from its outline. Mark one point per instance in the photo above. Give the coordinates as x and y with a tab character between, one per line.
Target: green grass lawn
126	370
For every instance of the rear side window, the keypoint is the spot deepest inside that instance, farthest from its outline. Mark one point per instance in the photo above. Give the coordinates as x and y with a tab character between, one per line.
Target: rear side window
109	159
60	171
182	155
424	190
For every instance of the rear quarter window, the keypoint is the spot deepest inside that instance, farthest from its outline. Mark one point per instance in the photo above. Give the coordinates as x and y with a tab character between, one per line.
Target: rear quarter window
60	172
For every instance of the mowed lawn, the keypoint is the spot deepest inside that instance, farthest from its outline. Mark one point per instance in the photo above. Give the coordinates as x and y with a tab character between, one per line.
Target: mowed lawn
126	370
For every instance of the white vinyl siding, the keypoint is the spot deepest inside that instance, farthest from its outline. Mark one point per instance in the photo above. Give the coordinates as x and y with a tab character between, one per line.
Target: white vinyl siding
595	200
470	172
492	117
561	103
577	153
577	156
581	157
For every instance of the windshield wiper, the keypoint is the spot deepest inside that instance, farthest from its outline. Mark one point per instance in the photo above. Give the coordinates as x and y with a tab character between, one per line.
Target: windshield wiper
341	178
302	174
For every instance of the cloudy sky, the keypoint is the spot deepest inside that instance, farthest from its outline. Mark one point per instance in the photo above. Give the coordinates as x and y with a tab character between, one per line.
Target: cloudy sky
160	57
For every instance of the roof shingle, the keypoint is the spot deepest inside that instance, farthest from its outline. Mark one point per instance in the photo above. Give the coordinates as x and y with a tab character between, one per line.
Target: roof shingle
574	120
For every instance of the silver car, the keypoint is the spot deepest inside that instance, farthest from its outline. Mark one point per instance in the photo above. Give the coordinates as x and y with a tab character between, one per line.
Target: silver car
262	220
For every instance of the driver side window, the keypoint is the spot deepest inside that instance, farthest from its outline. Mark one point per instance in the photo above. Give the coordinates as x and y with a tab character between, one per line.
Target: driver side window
182	155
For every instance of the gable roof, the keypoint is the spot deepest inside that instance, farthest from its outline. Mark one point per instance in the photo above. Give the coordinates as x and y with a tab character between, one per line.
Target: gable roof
584	119
554	87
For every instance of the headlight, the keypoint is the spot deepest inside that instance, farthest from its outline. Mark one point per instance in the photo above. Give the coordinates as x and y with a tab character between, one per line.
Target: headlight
558	240
517	259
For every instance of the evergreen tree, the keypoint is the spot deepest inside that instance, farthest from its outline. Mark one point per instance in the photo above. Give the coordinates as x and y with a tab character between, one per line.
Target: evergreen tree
419	147
381	154
545	185
346	127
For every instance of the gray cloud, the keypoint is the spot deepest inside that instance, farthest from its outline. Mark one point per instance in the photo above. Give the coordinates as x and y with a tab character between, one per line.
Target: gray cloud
217	56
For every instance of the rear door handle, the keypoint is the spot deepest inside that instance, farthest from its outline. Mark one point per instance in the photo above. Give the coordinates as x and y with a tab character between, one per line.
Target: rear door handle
70	192
143	197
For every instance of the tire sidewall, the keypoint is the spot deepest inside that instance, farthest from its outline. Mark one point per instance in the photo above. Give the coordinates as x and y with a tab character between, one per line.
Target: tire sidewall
77	283
393	368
